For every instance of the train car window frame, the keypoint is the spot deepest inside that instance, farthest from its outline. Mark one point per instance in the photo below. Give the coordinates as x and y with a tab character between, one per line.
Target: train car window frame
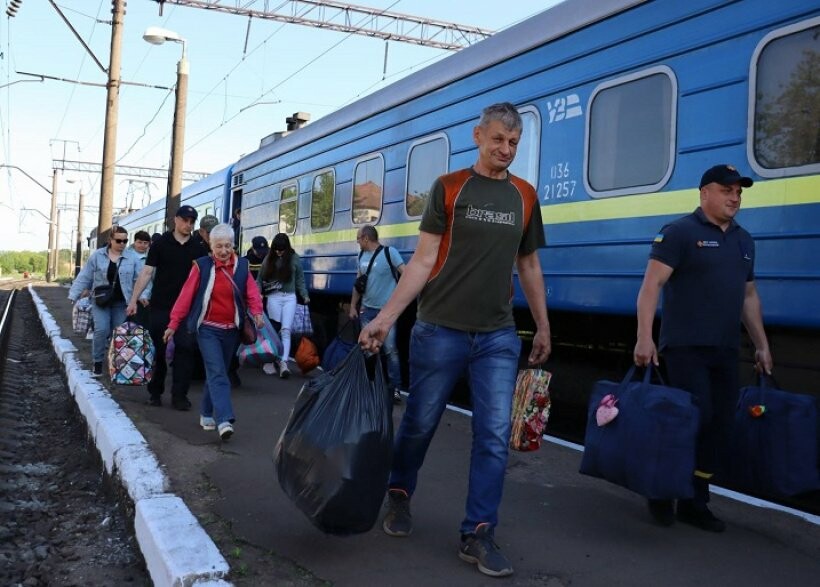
294	185
417	143
364	160
535	156
672	128
752	151
318	175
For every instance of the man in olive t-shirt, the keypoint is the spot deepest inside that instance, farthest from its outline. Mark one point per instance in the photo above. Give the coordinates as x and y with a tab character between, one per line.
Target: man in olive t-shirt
476	225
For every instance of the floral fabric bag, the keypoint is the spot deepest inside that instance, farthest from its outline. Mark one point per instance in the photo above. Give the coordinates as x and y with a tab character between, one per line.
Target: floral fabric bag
530	409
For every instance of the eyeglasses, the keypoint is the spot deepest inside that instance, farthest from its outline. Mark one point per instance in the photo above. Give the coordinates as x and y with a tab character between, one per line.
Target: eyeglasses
120	241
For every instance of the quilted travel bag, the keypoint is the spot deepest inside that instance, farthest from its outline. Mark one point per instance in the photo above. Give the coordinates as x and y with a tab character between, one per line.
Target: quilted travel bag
131	355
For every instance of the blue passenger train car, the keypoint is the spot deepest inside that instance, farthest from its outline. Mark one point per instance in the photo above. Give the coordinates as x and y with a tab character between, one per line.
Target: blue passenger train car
625	103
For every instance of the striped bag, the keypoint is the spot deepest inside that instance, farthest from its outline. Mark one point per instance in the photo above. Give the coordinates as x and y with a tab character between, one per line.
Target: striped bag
267	348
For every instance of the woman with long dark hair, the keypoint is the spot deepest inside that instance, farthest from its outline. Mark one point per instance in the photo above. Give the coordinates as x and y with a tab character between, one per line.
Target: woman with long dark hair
280	277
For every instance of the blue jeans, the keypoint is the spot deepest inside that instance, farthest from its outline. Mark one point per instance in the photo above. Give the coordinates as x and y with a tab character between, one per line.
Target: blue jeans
438	357
105	321
389	349
217	346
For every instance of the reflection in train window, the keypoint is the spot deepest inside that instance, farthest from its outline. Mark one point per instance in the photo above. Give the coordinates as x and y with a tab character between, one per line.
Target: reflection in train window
426	161
631	133
786	104
525	164
321	201
287	209
368	183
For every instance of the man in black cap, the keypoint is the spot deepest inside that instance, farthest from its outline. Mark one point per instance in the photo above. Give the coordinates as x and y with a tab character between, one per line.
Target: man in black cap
256	254
168	264
704	263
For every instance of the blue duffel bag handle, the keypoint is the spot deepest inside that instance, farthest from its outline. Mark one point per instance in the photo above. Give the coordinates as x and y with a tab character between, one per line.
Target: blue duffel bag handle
647	376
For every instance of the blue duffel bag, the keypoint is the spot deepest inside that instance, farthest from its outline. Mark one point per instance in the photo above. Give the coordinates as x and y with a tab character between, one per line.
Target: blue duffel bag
649	447
774	441
341	345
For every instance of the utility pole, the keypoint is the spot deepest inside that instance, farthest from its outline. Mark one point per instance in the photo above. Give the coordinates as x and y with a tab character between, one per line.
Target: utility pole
57	246
78	249
111	114
177	142
51	261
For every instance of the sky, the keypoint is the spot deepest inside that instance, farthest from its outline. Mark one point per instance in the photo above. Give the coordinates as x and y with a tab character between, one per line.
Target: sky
238	92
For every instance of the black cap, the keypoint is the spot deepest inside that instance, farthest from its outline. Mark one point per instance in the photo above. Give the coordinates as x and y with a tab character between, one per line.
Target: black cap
187	212
259	242
725	175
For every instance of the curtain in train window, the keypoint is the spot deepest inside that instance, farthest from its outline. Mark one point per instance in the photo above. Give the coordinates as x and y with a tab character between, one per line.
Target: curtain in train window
630	130
287	209
787	101
525	164
368	183
426	162
321	201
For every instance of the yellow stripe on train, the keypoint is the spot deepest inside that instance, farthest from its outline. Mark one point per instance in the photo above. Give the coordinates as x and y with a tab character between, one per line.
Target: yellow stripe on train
765	193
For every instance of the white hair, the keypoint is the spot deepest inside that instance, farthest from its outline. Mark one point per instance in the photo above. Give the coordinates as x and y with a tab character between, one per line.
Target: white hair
222	232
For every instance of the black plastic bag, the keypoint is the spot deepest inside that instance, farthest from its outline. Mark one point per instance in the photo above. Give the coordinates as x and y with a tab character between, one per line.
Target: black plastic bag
333	458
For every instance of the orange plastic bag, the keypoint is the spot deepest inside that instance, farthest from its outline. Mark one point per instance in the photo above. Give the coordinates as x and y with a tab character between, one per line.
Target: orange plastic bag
307	355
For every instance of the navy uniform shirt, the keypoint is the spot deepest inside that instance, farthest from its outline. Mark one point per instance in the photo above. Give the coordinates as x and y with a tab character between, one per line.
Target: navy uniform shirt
703	299
172	261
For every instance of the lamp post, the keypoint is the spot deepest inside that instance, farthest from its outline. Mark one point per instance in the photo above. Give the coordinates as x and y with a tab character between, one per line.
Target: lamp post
157	36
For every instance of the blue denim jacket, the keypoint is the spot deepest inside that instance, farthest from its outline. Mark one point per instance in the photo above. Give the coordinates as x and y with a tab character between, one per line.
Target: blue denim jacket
95	273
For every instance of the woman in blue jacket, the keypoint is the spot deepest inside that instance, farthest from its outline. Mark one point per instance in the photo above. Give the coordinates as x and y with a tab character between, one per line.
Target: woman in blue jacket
111	270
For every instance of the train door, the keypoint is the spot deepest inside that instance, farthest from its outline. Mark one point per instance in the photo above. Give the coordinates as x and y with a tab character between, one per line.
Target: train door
236	217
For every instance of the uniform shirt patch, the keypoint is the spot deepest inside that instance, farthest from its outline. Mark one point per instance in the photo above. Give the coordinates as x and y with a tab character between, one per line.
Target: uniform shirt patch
708	244
659	238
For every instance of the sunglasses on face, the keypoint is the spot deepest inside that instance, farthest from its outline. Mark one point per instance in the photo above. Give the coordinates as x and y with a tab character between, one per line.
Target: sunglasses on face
120	241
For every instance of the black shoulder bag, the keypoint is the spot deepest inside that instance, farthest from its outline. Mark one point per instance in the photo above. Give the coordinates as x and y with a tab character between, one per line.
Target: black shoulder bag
361	281
103	294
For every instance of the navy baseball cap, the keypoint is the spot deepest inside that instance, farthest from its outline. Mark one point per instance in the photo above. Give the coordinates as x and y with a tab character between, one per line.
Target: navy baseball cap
187	212
725	175
260	242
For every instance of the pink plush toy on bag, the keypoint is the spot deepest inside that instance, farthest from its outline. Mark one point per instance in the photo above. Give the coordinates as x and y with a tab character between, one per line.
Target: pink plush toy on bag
606	411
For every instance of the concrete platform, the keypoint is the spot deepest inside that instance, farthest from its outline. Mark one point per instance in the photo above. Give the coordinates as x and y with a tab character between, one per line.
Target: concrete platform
557	526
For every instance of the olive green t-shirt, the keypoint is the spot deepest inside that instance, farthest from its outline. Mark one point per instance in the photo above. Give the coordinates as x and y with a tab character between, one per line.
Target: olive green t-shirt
482	223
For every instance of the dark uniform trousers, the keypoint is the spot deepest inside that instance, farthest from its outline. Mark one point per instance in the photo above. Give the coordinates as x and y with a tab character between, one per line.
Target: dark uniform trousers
710	374
184	356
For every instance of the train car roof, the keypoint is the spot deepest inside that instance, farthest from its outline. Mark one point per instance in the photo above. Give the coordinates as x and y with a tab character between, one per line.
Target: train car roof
553	23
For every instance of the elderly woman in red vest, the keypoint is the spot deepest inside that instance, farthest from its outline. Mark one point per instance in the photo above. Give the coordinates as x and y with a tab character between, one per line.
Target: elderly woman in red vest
212	306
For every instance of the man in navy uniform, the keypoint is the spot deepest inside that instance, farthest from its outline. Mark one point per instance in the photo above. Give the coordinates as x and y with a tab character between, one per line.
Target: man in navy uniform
704	263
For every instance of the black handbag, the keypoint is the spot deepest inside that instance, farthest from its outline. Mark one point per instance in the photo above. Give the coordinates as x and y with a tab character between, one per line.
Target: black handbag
247	333
102	295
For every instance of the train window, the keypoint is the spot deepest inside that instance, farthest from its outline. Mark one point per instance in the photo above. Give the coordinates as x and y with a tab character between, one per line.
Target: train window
525	164
784	84
631	134
287	208
321	201
425	162
368	183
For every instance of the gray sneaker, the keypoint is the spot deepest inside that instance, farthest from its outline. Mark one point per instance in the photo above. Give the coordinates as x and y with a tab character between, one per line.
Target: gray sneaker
397	520
481	549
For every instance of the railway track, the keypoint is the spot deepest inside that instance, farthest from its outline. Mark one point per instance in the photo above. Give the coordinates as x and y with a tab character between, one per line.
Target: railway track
60	524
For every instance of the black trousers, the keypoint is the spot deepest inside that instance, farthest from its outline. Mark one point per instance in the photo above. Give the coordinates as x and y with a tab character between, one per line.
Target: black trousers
184	356
710	374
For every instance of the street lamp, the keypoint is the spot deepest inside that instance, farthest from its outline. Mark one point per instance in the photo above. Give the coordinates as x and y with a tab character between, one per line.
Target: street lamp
157	36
